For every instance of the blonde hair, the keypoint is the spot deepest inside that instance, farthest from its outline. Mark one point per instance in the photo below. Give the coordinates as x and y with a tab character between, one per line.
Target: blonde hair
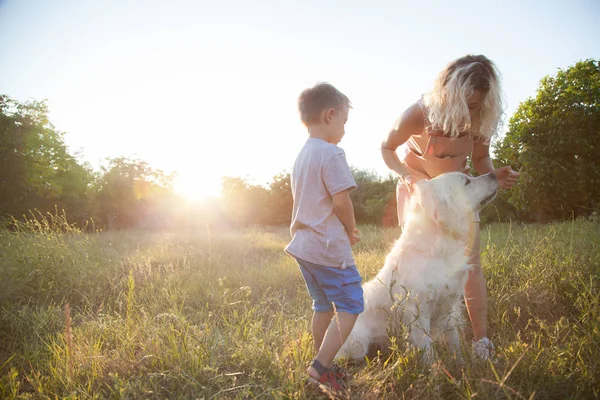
313	101
447	106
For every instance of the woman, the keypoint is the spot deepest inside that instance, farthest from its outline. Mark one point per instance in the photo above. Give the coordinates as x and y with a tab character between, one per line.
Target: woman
436	135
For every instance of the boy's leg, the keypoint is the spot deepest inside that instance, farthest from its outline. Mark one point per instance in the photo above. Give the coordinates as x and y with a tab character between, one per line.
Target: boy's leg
320	323
322	309
340	327
344	290
475	289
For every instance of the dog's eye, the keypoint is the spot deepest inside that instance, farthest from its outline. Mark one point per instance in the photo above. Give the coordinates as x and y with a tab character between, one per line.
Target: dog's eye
468	182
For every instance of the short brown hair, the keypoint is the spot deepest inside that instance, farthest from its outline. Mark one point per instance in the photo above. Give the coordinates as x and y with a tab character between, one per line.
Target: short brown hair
313	101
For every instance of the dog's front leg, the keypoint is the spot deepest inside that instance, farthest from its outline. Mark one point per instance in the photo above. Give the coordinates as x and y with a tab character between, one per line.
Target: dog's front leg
454	341
420	329
453	323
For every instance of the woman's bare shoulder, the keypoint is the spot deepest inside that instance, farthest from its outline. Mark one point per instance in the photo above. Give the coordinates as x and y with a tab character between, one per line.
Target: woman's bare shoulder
412	119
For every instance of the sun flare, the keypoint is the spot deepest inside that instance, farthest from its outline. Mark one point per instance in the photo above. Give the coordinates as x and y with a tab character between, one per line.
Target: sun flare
198	188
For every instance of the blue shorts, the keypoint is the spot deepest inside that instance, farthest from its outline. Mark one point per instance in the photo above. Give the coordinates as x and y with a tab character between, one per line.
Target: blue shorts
328	285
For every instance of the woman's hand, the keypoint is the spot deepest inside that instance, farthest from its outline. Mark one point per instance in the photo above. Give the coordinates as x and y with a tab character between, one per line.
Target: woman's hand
407	180
410	177
506	177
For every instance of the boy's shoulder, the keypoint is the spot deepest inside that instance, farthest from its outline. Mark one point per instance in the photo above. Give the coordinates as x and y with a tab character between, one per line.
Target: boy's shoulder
327	149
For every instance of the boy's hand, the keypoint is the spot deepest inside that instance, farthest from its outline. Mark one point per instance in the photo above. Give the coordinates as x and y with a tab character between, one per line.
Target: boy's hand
354	237
506	177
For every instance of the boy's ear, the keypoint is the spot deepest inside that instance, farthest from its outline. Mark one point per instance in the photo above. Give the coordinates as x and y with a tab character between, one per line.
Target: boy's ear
328	115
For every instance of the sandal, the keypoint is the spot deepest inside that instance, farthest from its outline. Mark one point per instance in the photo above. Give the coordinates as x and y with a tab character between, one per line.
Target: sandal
340	372
327	377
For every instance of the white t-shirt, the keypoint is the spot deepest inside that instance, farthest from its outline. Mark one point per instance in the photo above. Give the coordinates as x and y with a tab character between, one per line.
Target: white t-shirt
318	235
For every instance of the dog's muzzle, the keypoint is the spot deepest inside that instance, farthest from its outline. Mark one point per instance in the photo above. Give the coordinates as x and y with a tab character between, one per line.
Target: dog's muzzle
490	176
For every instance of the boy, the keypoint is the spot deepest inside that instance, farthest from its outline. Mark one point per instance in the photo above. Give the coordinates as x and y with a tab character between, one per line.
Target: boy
323	228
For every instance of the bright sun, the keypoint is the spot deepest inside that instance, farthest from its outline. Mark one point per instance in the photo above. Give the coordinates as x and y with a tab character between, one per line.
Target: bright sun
198	188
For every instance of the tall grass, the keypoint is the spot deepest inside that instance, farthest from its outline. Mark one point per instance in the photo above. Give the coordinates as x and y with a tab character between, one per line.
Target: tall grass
202	314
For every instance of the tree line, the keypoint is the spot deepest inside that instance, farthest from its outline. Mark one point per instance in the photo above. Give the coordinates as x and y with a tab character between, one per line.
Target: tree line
553	139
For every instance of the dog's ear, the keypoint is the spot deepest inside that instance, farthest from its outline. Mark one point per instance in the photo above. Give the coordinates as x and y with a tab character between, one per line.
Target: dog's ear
424	198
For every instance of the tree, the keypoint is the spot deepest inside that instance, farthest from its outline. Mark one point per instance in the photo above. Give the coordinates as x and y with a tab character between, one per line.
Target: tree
554	140
37	170
280	200
243	203
374	198
130	193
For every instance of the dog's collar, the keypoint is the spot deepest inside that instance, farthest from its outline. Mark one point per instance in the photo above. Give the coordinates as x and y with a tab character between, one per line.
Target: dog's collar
455	235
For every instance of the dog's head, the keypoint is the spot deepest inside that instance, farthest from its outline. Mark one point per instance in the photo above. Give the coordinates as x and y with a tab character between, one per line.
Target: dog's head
451	199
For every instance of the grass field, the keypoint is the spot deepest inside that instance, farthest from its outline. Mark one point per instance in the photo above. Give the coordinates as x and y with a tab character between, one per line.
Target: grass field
205	315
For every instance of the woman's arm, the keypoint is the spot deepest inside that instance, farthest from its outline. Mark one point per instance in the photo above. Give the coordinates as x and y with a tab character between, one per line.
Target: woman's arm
411	122
482	163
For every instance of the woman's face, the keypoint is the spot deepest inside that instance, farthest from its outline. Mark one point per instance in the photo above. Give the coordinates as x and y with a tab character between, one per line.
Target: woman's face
475	102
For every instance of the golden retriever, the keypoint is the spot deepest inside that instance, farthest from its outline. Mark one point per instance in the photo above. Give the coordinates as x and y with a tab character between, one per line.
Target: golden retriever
422	282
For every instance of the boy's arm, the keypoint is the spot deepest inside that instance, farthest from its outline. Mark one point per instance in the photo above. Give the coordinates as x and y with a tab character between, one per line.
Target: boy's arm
342	205
339	182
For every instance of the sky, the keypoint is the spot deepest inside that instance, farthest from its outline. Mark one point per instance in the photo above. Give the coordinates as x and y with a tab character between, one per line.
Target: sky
208	89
